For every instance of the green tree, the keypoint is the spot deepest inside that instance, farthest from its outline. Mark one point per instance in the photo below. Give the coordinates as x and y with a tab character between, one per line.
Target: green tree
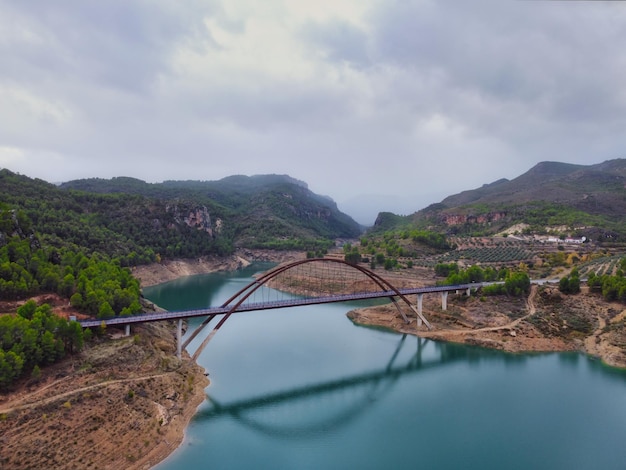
570	284
10	367
475	274
28	309
352	257
105	310
72	335
50	348
517	283
76	300
445	269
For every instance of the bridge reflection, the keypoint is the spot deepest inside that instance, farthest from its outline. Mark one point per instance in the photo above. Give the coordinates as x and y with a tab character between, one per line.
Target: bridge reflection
288	413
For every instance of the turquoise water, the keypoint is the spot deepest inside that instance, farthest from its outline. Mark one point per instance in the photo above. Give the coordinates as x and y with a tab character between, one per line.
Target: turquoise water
304	388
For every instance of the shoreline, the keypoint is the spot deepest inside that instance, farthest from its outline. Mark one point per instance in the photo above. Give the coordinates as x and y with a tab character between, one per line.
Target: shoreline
178	432
170	270
532	325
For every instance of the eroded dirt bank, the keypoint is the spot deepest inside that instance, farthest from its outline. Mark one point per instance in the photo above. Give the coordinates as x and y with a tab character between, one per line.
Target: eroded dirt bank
121	403
158	273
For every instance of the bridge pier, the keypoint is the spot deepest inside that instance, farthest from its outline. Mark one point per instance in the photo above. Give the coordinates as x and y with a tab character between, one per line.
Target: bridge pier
469	291
444	300
420	297
127	329
179	338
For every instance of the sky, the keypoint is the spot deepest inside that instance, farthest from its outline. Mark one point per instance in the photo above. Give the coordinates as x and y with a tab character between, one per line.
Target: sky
383	105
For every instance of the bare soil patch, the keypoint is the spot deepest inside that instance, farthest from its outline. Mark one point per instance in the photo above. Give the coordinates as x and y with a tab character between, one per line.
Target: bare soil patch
158	273
121	403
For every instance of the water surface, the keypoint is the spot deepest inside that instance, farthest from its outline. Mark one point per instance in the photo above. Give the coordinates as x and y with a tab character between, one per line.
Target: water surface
304	388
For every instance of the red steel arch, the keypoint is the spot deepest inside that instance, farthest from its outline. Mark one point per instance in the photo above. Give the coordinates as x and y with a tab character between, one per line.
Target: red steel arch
243	294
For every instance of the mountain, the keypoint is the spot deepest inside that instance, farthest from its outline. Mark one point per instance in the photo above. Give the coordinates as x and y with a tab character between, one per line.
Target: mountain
138	221
257	208
580	199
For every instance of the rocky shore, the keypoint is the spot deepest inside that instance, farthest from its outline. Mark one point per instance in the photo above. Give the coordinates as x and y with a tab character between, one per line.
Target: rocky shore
544	321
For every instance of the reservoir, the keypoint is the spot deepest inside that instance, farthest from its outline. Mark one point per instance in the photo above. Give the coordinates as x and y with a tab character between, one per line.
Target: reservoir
305	388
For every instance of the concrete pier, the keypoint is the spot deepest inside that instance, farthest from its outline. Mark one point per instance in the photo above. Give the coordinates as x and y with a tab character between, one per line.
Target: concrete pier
444	300
420	298
179	338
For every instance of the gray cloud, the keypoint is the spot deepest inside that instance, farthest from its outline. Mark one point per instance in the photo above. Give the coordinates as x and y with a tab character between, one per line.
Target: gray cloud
338	41
397	101
116	44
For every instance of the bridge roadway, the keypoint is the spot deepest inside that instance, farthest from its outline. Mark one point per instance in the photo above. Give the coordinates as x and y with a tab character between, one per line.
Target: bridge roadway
295	302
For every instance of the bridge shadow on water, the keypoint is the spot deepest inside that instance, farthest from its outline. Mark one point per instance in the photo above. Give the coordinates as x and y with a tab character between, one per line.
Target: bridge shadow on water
287	413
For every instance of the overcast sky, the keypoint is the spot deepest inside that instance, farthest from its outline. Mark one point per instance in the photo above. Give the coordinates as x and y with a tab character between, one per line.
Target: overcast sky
379	104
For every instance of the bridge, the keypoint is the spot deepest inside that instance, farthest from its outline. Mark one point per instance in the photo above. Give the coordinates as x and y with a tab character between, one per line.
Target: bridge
304	282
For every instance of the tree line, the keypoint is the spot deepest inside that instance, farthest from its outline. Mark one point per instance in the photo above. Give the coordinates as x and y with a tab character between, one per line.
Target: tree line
33	338
508	282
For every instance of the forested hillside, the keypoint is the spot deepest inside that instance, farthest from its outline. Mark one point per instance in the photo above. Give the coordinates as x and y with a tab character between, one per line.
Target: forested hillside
264	211
138	222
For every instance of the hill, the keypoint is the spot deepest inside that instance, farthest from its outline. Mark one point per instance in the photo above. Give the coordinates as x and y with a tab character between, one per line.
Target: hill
139	222
559	197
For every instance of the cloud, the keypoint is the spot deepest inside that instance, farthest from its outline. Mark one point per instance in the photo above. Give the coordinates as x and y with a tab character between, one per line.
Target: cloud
530	63
117	44
408	100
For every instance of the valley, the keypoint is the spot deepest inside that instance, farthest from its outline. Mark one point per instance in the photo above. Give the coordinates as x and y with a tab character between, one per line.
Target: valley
85	248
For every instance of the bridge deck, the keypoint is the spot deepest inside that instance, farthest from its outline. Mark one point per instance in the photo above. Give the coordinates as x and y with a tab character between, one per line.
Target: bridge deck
295	302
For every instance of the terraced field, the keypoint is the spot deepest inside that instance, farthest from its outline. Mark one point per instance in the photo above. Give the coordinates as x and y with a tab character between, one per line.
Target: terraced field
496	254
600	266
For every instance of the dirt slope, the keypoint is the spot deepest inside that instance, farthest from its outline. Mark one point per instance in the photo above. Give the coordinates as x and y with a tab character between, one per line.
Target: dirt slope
119	404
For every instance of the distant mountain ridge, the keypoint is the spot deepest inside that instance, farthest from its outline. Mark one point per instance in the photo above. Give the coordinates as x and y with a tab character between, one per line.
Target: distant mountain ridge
279	204
583	198
141	222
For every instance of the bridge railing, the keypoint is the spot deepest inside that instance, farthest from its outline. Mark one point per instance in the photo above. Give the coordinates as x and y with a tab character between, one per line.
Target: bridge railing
274	304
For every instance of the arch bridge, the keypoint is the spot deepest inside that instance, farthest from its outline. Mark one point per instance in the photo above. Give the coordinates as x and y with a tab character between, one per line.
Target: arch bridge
303	282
